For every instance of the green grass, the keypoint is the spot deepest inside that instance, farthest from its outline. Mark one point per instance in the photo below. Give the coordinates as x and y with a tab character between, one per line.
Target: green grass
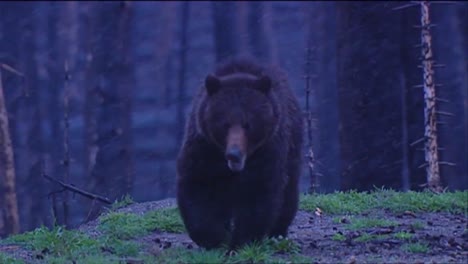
369	237
125	201
417	225
265	251
338	237
4	259
415	247
119	229
353	202
361	223
283	245
402	235
165	220
127	225
58	242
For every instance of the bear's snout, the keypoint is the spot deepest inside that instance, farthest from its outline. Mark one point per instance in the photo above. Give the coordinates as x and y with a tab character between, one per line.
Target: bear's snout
235	158
235	149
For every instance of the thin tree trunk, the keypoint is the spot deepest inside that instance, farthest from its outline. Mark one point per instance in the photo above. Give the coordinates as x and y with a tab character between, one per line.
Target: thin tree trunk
125	88
405	172
182	69
225	30
241	24
90	130
7	173
430	119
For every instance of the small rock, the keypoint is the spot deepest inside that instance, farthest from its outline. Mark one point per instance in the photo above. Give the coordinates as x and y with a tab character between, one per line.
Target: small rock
352	260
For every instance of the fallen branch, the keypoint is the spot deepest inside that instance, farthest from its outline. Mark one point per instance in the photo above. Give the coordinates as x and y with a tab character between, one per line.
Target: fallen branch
79	191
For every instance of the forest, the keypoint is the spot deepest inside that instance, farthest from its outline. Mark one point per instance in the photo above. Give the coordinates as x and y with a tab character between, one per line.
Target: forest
95	95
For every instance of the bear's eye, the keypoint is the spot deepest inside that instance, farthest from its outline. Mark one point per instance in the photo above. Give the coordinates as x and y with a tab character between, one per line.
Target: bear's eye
246	126
226	125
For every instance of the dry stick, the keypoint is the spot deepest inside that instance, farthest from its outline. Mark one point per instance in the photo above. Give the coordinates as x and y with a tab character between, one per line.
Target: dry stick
78	190
430	117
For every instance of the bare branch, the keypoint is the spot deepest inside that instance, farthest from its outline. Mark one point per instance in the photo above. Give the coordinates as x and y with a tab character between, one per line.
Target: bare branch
423	165
445	2
442	100
447	163
444	113
79	191
11	69
417	141
405	6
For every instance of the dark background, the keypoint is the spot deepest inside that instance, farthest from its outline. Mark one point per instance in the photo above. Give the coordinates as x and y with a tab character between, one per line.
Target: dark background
134	66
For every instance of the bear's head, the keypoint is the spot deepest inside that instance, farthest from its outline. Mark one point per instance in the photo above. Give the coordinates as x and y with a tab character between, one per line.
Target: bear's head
238	115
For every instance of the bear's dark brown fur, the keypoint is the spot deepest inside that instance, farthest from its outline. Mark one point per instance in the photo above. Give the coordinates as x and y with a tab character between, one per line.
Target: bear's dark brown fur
239	165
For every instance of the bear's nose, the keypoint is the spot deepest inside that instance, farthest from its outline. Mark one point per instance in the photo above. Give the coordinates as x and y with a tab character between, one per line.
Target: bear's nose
234	154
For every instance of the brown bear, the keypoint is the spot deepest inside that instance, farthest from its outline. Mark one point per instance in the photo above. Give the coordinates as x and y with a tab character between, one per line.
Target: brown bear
239	165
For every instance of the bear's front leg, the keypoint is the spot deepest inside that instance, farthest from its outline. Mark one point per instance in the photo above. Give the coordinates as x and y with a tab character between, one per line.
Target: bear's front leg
255	211
204	212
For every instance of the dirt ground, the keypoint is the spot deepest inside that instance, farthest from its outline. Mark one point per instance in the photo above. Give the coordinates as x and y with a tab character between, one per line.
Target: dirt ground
330	238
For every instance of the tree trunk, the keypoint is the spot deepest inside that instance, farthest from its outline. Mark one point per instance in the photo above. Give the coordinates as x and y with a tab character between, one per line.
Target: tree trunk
125	89
430	119
225	30
7	173
182	70
370	111
453	77
113	167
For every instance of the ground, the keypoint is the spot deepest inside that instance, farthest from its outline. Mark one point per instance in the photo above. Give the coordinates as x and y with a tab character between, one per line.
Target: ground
383	227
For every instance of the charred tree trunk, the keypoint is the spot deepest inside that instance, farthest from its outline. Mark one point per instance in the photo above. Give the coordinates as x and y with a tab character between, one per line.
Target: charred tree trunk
38	83
369	104
321	36
452	74
110	174
182	70
430	119
125	87
225	30
7	171
90	82
257	38
411	94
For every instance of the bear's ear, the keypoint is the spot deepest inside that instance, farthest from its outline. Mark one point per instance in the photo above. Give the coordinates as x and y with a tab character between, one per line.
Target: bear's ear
212	84
263	84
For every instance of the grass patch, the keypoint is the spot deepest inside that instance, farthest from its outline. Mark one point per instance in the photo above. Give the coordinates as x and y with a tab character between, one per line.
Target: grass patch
415	247
70	244
369	237
265	251
123	225
338	237
283	245
121	248
417	225
353	202
360	223
5	259
165	220
92	259
257	252
127	225
125	201
402	235
182	255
